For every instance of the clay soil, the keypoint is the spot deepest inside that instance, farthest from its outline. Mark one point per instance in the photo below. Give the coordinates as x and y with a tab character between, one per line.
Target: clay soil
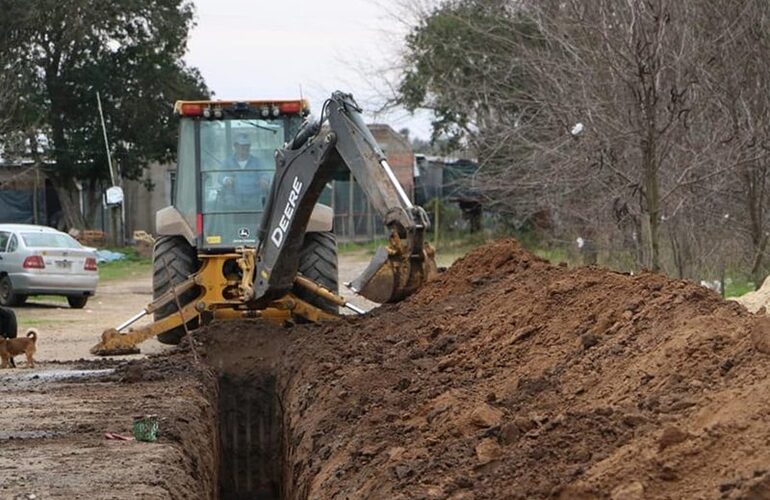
506	377
509	377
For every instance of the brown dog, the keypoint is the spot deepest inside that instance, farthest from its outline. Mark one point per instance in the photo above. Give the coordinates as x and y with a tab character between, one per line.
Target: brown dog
14	347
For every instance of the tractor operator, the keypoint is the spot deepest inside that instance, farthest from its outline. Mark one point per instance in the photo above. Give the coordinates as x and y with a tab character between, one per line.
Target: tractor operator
240	188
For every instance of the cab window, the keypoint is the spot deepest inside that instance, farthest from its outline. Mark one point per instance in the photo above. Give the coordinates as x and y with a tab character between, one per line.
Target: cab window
238	163
184	183
4	237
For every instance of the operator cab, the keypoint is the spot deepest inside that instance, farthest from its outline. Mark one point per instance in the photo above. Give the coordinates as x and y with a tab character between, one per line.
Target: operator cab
226	165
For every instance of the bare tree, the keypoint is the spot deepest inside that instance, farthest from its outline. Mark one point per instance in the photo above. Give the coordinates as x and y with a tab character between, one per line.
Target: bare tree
640	123
738	80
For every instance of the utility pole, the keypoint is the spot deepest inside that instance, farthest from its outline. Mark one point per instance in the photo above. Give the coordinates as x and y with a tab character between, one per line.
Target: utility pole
117	219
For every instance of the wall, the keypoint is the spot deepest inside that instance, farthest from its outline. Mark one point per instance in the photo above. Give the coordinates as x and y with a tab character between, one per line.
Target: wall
141	203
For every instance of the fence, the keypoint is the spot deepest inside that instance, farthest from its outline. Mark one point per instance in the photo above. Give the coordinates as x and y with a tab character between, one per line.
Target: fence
354	217
441	183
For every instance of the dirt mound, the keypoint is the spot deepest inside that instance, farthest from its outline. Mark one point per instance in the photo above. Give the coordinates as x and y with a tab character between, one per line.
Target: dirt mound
511	377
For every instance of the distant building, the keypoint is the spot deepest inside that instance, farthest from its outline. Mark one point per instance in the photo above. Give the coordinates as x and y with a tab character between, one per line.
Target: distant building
444	177
400	154
450	180
354	217
26	196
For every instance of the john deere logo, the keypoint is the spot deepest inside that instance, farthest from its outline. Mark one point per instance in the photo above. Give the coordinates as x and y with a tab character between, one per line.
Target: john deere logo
243	233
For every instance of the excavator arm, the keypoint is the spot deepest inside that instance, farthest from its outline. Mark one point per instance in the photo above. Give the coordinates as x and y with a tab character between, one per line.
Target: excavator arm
340	139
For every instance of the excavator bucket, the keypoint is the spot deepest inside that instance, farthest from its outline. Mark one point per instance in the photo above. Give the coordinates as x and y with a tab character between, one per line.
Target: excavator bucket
392	275
112	344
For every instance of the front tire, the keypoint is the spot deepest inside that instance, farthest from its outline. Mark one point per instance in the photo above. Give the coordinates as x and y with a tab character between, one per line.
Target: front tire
8	297
318	262
173	261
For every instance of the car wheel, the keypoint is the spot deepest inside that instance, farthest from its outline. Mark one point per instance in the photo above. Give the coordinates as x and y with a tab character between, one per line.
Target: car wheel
7	296
77	302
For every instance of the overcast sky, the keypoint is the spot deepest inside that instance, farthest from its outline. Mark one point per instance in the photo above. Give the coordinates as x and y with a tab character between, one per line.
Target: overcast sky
273	48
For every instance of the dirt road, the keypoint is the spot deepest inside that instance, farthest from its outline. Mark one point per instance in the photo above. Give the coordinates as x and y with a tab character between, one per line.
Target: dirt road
67	334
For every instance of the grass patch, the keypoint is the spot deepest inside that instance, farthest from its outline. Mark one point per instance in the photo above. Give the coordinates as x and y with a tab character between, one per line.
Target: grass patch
132	266
37	322
554	255
109	271
449	248
737	287
364	246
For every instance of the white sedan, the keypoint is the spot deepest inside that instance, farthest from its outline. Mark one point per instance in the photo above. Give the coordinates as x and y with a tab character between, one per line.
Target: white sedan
39	260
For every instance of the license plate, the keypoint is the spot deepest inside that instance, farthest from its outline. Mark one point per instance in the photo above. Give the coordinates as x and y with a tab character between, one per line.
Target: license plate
63	264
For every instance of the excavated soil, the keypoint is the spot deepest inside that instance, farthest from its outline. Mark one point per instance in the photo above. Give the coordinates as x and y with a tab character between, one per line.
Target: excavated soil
509	377
506	377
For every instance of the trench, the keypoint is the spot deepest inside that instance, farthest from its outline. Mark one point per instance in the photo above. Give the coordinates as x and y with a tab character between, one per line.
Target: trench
252	451
250	438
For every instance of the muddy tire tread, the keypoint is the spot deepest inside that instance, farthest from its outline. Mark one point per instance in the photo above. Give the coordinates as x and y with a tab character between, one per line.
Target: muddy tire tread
318	262
182	261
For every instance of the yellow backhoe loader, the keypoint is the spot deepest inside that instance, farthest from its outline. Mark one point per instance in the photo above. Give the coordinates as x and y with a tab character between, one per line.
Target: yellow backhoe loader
246	238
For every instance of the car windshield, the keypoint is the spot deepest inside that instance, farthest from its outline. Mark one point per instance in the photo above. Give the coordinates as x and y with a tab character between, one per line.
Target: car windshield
49	240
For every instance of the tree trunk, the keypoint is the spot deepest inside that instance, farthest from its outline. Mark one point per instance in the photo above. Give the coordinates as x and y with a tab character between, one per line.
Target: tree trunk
70	203
93	203
650	168
652	208
754	189
655	226
756	266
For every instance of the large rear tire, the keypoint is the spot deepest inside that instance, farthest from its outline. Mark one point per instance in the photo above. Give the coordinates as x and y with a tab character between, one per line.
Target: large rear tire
318	262
173	261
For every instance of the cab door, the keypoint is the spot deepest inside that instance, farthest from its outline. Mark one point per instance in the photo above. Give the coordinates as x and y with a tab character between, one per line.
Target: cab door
236	169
